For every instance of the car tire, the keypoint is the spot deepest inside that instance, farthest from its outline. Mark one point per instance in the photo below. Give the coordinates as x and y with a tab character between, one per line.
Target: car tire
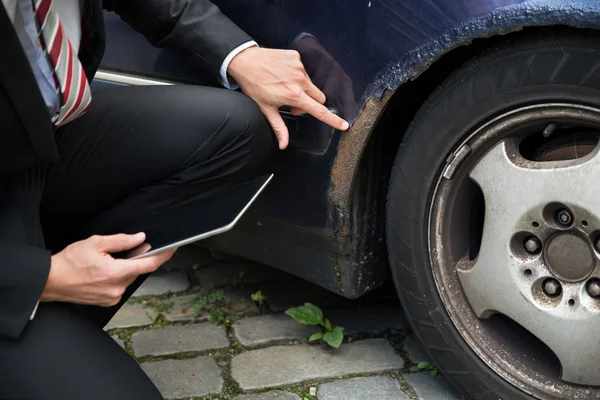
545	67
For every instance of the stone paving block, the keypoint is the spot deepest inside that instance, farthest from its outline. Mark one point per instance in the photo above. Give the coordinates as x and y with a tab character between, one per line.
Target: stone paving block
132	315
241	303
269	329
119	341
274	395
377	387
179	339
432	387
176	379
239	273
163	282
183	307
286	365
368	319
283	295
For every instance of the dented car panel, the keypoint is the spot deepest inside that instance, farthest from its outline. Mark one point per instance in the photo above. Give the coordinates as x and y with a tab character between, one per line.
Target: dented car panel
310	221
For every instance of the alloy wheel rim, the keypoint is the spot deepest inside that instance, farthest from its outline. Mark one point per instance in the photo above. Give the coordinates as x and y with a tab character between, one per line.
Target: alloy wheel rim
528	228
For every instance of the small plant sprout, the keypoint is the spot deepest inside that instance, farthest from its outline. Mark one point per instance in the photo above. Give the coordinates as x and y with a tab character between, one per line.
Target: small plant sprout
427	366
258	298
213	303
309	314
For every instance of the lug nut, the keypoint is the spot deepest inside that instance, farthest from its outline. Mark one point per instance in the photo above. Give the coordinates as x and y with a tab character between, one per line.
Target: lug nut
593	288
564	217
552	287
533	245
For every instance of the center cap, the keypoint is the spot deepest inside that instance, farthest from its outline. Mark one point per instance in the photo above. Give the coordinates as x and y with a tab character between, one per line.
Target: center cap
569	256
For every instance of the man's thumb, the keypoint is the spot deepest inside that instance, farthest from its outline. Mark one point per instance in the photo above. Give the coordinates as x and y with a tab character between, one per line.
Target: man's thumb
276	122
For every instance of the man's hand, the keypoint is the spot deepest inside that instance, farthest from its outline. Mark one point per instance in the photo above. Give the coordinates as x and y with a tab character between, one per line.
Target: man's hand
275	78
85	273
328	75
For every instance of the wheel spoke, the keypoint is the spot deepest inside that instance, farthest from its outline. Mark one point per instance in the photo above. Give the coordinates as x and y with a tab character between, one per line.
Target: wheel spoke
508	180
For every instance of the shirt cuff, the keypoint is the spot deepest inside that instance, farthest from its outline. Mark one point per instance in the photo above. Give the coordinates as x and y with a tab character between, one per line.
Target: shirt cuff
34	310
224	78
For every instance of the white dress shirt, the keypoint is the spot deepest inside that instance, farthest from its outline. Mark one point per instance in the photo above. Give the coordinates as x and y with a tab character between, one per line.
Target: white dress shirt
21	13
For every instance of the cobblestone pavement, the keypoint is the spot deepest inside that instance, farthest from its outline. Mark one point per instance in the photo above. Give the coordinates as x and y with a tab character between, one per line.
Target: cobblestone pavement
196	332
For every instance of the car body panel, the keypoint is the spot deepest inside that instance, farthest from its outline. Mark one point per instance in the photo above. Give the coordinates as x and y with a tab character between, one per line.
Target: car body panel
305	222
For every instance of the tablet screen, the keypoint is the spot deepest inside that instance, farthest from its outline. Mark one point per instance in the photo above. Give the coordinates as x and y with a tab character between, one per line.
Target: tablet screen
195	220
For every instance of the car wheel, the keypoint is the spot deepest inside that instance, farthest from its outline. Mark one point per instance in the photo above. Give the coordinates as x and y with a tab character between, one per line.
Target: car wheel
493	221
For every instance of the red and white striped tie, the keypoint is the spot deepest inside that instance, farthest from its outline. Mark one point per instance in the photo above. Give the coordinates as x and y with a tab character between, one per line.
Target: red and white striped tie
69	75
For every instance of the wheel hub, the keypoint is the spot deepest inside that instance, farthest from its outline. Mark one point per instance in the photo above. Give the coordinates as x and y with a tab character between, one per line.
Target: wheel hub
569	256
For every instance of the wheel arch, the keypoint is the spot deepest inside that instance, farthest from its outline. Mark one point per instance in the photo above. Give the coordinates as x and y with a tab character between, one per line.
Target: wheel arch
368	150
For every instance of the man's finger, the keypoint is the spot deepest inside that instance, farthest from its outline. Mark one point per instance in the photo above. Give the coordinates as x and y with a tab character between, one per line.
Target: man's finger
322	113
276	122
119	242
315	92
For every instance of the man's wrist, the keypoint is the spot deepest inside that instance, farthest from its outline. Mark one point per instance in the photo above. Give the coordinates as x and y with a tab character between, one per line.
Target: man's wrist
226	66
49	291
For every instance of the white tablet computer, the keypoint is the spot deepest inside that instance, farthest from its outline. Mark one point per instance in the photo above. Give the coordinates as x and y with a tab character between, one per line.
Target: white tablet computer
195	220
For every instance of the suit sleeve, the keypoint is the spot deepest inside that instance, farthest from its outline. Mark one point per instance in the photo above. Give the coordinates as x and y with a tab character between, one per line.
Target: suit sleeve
24	260
23	274
196	28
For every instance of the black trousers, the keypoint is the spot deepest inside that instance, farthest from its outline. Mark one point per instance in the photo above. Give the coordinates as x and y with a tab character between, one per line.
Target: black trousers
137	151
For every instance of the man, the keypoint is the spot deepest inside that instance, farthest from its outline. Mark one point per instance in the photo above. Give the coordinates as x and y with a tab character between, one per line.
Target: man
76	163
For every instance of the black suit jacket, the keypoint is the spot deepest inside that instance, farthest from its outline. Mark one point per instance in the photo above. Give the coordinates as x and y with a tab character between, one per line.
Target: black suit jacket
196	28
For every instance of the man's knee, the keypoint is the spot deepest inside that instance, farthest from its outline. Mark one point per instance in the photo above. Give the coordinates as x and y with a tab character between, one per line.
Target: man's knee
254	131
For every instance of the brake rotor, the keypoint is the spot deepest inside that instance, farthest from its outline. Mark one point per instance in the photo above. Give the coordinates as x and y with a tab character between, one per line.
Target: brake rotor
566	146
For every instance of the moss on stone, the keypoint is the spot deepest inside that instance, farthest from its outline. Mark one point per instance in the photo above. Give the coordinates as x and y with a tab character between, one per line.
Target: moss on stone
407	388
396	339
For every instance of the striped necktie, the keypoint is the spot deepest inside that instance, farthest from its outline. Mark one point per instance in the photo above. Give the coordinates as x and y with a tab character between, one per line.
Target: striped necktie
69	75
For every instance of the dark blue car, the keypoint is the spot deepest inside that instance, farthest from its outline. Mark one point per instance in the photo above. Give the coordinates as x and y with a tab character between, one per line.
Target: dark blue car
467	176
